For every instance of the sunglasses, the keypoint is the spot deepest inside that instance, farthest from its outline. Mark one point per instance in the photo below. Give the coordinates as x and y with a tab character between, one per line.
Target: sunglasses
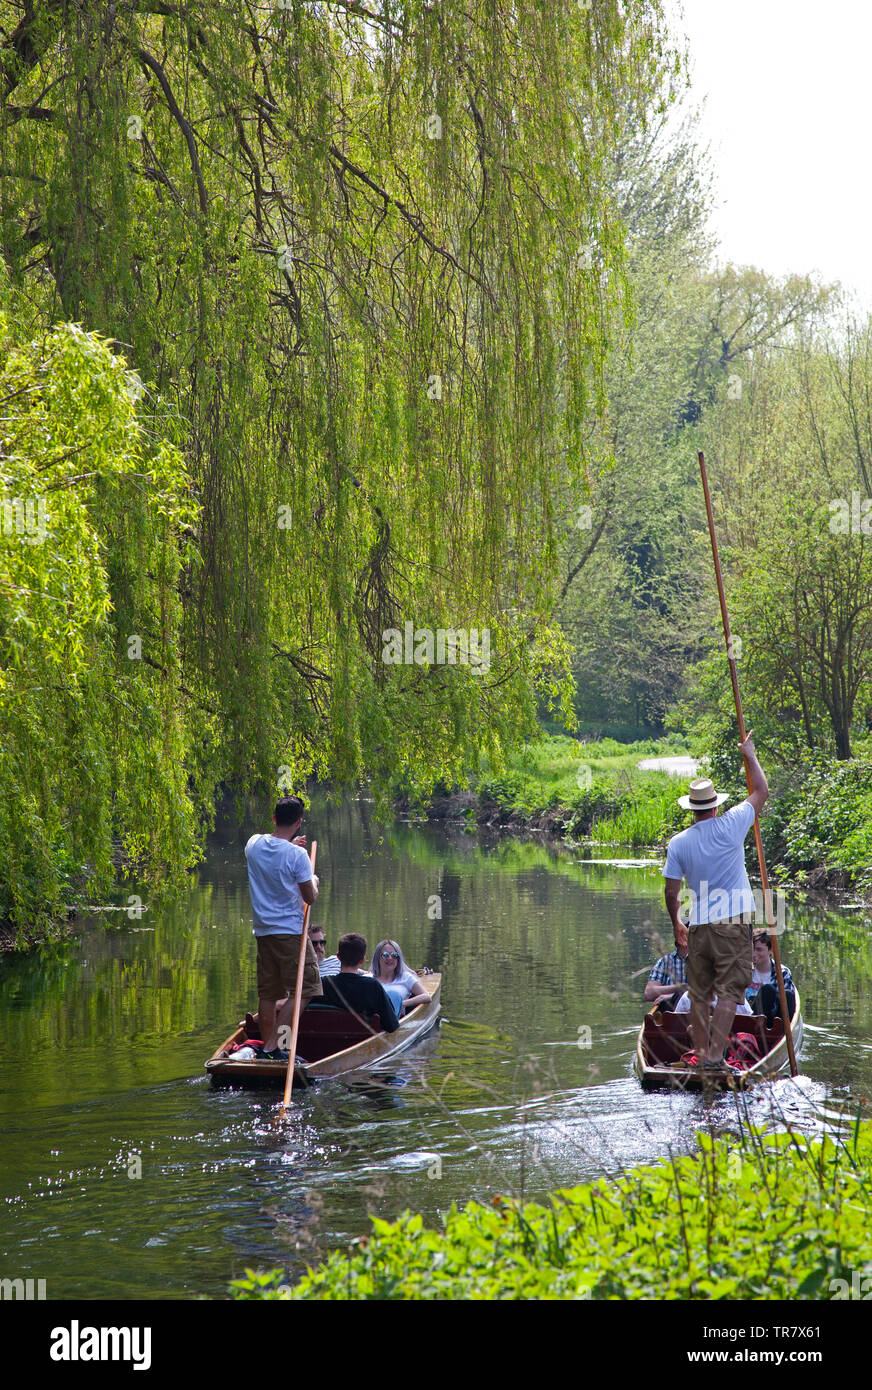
389	955
318	940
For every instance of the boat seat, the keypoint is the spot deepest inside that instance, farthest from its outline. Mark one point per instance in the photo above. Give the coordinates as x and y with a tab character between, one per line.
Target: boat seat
755	1026
673	1023
325	1029
666	1041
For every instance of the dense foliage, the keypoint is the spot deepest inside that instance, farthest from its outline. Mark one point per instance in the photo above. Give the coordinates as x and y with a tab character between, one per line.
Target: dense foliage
780	1217
95	731
370	259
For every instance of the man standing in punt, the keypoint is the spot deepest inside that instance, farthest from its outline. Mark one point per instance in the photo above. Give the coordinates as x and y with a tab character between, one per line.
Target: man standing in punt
710	857
281	881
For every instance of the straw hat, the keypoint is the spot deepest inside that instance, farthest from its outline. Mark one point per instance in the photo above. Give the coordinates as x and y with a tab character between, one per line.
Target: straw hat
703	796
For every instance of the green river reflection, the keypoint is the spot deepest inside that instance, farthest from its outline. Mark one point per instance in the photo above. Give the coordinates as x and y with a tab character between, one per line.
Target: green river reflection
104	1040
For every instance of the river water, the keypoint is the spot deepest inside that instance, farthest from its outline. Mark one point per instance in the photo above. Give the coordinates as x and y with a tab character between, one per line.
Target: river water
126	1175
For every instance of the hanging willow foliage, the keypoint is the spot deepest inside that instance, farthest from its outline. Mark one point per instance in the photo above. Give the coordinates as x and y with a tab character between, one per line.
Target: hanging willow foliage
366	256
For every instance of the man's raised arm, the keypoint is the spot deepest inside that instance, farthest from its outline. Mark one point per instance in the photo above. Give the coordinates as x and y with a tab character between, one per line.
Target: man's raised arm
759	792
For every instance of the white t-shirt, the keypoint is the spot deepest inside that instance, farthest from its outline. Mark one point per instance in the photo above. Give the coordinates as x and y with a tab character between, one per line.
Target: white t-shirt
710	857
275	869
683	1005
406	982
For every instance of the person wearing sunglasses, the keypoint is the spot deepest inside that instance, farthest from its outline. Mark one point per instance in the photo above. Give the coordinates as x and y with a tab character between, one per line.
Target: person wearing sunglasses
401	985
327	965
354	991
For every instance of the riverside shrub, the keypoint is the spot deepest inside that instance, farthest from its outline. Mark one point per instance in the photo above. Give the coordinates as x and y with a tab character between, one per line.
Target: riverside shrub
778	1217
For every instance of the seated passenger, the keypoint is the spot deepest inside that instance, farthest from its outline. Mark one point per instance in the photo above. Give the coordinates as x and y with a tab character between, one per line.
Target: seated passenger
668	978
763	991
402	987
327	965
683	1005
354	991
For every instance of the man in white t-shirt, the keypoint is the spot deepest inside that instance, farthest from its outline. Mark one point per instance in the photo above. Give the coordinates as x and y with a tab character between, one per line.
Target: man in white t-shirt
280	881
710	857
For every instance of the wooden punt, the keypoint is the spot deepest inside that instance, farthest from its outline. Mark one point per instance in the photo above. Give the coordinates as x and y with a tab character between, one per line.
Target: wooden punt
332	1042
664	1036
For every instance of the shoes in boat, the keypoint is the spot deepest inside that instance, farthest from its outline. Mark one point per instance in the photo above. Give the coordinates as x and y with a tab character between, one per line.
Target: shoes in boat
720	1068
277	1055
689	1059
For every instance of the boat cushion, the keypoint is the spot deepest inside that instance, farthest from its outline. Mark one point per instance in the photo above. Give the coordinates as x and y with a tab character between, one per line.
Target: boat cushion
325	1029
666	1041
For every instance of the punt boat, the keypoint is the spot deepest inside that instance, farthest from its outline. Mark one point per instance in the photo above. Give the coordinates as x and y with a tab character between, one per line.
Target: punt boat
331	1042
664	1036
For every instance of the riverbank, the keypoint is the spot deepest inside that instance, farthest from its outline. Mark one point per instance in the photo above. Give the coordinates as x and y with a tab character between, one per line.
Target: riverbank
772	1218
817	826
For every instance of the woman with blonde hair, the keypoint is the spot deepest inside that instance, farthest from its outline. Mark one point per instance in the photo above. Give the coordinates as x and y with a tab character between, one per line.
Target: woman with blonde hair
401	985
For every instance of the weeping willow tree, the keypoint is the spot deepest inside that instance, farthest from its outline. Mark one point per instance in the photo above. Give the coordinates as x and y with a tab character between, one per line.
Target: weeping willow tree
365	258
93	729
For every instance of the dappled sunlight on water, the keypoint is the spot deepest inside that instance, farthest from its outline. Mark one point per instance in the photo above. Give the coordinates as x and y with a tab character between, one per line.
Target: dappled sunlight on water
127	1176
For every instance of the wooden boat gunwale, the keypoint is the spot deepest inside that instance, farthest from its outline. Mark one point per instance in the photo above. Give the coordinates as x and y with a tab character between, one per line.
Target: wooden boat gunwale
768	1067
379	1047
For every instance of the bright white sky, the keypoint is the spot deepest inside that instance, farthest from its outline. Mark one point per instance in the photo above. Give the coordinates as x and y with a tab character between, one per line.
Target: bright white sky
788	119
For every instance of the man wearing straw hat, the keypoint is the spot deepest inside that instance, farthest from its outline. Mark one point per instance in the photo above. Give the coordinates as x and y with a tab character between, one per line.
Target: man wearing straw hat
710	857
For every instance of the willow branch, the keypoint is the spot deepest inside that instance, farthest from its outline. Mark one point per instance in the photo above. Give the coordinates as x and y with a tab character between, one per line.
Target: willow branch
181	121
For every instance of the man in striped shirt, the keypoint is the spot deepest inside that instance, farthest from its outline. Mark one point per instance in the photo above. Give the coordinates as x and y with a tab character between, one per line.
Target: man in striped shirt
327	965
668	979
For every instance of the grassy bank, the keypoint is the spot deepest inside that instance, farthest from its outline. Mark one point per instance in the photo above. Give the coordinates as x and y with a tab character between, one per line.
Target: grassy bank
590	790
817	826
777	1217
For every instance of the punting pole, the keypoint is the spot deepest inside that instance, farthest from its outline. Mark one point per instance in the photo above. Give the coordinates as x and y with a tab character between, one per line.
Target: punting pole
298	995
764	877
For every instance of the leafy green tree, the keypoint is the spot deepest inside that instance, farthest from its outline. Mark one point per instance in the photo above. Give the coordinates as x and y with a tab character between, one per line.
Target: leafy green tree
790	458
344	246
95	727
637	594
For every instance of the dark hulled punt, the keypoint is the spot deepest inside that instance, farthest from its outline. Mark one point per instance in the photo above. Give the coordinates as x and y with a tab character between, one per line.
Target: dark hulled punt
332	1041
663	1038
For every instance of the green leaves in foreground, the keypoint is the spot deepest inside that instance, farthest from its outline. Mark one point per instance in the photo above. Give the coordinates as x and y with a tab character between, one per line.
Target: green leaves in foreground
776	1218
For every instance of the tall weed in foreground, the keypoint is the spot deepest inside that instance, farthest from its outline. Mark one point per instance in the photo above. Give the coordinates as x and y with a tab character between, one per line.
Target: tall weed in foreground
770	1217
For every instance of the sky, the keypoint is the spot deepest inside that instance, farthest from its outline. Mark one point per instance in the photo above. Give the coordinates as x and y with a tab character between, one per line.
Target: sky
788	117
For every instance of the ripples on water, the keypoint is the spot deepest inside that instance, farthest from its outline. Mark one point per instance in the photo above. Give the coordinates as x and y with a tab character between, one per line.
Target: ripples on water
104	1046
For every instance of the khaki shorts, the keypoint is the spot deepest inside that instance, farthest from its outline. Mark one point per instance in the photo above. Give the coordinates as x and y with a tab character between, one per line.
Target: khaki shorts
277	958
719	961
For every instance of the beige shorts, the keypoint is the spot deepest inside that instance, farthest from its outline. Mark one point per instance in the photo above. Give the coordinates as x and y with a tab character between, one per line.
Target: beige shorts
277	958
719	961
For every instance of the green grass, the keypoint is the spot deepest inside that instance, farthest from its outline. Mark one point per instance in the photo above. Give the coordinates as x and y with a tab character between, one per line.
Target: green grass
595	785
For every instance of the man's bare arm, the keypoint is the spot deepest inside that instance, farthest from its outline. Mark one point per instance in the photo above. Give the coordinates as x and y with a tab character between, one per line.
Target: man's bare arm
655	992
759	792
309	889
679	930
